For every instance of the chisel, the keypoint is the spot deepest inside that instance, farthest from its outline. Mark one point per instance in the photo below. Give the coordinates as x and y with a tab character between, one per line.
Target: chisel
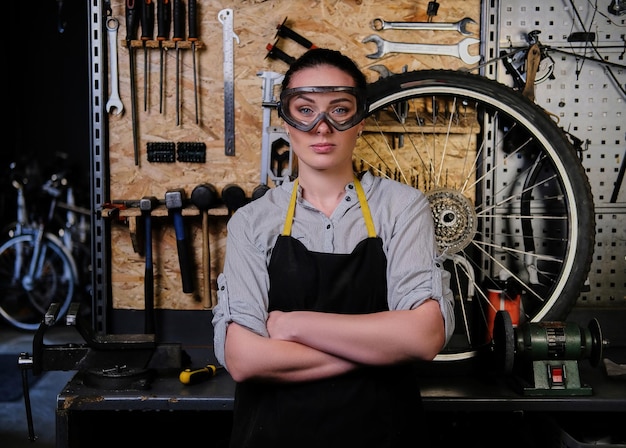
179	34
132	26
193	38
147	32
164	19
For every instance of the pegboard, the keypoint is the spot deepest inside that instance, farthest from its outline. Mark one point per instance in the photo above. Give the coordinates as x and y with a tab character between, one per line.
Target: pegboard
585	93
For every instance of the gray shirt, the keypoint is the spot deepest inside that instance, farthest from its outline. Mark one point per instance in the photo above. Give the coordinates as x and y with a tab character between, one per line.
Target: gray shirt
402	218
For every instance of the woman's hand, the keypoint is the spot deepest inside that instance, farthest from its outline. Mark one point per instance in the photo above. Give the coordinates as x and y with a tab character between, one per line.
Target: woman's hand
386	337
278	325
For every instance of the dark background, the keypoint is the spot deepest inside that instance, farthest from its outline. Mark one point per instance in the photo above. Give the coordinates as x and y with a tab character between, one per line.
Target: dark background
48	83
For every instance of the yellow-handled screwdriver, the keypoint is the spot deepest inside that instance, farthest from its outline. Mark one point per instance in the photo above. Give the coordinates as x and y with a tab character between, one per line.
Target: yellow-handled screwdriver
189	376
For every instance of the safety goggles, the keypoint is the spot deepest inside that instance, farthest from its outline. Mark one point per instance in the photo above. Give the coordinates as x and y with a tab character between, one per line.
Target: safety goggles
304	107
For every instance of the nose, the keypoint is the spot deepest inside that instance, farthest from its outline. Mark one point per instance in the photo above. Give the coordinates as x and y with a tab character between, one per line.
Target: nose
323	127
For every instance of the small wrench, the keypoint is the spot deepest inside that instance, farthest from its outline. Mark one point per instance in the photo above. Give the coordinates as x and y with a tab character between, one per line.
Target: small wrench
114	100
460	26
459	50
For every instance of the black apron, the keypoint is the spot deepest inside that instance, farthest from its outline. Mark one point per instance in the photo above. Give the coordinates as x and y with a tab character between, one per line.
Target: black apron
370	407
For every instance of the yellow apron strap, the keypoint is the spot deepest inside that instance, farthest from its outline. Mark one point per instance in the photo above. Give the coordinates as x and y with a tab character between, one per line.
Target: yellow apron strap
367	214
291	210
365	209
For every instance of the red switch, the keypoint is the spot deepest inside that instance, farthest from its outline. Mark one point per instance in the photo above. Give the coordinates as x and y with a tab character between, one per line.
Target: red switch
556	372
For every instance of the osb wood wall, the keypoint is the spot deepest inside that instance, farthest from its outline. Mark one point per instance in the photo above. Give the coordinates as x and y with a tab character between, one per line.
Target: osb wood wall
340	25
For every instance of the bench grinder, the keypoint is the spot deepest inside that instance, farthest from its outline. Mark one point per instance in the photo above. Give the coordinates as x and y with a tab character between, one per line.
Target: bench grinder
543	356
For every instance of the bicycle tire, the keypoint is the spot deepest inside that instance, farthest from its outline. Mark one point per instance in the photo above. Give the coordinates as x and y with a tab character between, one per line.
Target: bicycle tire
24	301
510	198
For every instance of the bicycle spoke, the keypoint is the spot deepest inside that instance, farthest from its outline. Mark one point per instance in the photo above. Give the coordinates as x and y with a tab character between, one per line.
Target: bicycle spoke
510	199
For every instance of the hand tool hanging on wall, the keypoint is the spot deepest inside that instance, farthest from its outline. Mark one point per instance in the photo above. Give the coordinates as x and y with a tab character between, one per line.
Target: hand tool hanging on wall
431	10
204	196
179	34
273	52
174	201
225	17
234	197
270	79
459	50
193	38
533	58
147	33
379	24
132	26
259	191
146	205
288	33
164	19
114	101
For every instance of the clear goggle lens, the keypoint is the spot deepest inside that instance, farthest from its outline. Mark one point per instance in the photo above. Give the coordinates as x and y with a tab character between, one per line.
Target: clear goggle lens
304	107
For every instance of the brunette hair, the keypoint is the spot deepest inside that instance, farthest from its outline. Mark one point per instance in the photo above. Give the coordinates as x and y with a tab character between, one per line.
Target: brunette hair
317	57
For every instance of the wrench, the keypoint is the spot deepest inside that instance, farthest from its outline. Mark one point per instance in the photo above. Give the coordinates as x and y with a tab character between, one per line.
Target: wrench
114	100
459	50
460	26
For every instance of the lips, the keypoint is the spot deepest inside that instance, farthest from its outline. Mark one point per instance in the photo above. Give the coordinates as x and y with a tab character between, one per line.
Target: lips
321	148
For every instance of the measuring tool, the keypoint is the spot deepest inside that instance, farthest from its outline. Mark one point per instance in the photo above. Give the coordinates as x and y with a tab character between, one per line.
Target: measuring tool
225	17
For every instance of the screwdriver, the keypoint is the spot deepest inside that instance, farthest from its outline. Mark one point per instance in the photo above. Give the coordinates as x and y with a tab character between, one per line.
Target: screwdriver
196	376
164	19
179	34
147	32
132	26
193	37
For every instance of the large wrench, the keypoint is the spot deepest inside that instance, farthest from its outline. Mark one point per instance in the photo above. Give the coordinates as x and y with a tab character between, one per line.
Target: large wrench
460	26
459	50
114	100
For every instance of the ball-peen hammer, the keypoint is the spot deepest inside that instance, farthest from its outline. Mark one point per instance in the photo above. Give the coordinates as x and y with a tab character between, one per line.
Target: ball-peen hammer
174	201
146	205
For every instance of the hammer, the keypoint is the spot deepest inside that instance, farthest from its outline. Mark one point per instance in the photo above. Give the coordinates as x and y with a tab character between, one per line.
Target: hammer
146	205
204	196
174	200
234	197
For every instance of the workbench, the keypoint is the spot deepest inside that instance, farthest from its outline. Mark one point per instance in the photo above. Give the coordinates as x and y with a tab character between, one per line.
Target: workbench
203	410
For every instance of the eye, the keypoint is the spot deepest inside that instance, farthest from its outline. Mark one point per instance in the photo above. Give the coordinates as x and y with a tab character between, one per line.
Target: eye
305	110
343	111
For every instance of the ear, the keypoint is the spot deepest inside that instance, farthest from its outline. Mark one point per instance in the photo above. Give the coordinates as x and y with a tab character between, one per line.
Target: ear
360	127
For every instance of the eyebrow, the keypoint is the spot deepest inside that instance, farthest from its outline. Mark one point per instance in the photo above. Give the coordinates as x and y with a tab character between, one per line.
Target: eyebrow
304	95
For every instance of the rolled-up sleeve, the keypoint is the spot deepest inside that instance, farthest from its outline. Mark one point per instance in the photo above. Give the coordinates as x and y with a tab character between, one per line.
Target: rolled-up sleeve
415	269
241	287
443	294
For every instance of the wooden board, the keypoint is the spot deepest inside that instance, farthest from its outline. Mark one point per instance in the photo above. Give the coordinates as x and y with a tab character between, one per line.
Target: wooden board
340	25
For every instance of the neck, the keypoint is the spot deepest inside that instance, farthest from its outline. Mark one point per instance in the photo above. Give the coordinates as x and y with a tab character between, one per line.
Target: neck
324	191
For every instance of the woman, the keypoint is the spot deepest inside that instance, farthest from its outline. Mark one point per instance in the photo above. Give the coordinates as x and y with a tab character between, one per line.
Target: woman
331	286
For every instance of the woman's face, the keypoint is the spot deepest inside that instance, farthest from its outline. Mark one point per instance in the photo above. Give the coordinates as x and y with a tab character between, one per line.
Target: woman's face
323	147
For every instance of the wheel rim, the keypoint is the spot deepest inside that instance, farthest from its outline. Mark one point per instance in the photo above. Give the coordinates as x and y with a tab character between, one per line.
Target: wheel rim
54	282
505	197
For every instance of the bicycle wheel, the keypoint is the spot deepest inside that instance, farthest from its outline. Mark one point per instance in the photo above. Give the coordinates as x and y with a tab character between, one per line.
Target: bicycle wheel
512	205
28	289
